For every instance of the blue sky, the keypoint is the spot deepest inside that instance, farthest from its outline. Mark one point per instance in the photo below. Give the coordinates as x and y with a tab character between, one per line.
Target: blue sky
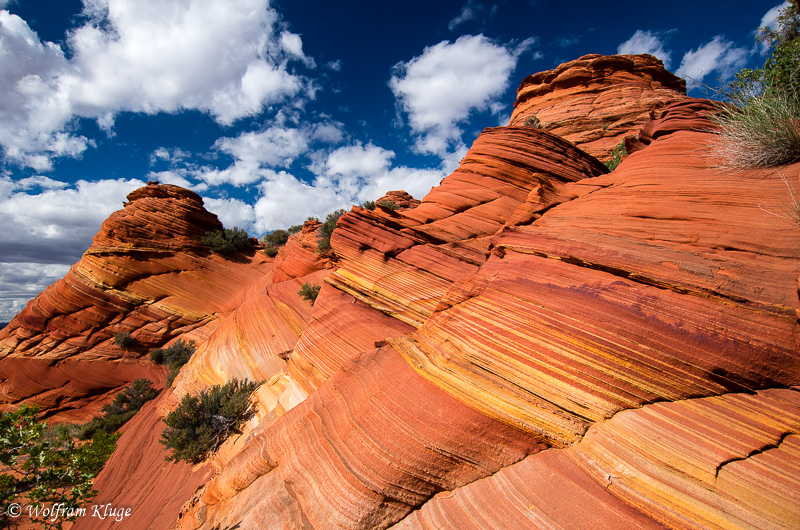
275	111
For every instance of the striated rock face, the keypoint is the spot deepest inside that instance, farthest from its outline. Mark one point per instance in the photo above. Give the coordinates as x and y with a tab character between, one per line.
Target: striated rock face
579	300
597	100
146	273
536	343
721	462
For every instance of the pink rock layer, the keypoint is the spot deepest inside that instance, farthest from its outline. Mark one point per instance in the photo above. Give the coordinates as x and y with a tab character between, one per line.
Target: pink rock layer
597	100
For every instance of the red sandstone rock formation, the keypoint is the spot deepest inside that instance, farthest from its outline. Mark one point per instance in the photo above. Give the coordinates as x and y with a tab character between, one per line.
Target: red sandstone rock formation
146	273
538	342
625	289
597	100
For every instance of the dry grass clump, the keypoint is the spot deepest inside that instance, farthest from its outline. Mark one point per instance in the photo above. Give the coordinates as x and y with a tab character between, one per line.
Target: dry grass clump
763	131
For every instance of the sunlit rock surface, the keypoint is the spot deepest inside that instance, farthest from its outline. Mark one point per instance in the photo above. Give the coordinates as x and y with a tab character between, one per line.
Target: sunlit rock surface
147	274
721	462
664	281
535	343
597	100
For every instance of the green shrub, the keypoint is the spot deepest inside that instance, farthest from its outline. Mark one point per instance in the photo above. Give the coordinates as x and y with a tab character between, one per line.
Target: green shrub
368	205
123	339
618	154
38	471
294	229
202	422
326	229
175	356
226	241
309	292
125	405
276	238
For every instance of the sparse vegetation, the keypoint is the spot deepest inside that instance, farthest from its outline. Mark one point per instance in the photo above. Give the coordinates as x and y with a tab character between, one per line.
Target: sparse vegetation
326	229
534	122
125	405
123	339
388	204
617	156
227	241
276	238
760	124
309	292
368	205
202	422
175	356
39	470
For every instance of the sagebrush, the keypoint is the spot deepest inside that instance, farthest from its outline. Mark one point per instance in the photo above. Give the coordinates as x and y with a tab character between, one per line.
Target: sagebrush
227	241
124	406
327	228
202	422
309	292
175	356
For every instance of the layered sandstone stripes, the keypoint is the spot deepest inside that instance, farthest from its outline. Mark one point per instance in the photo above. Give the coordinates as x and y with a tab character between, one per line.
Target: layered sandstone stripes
597	100
537	343
721	462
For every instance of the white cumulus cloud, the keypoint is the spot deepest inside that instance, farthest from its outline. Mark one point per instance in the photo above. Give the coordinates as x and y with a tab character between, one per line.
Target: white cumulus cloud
228	59
718	56
345	176
646	42
439	89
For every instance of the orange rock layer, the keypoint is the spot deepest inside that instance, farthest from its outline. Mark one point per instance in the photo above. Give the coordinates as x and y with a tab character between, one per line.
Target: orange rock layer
597	100
721	462
537	343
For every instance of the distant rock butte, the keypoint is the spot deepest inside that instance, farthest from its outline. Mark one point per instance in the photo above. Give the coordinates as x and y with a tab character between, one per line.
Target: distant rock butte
597	100
536	343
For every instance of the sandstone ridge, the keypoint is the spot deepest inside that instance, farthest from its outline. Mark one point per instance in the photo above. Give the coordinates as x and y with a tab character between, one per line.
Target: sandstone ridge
537	342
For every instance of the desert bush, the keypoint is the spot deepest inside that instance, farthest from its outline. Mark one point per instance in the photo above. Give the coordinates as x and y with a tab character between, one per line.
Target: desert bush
125	405
276	238
618	154
309	292
327	228
368	205
175	356
226	241
123	339
61	432
202	422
